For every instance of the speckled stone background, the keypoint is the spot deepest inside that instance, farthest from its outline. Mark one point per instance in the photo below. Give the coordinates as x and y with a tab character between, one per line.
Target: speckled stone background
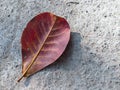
92	58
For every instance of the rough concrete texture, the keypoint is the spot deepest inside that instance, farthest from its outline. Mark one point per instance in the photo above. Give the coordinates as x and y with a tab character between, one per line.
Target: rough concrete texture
92	58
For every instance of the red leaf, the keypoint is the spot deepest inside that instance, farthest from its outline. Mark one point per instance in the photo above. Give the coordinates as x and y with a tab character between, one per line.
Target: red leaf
43	41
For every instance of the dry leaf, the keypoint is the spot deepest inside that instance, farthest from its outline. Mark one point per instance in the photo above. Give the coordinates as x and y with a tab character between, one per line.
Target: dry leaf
43	41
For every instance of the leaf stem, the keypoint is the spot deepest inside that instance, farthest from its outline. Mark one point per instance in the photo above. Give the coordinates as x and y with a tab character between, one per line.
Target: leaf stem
20	78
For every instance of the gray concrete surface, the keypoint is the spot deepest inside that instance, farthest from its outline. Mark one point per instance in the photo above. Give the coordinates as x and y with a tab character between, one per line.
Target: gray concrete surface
92	58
